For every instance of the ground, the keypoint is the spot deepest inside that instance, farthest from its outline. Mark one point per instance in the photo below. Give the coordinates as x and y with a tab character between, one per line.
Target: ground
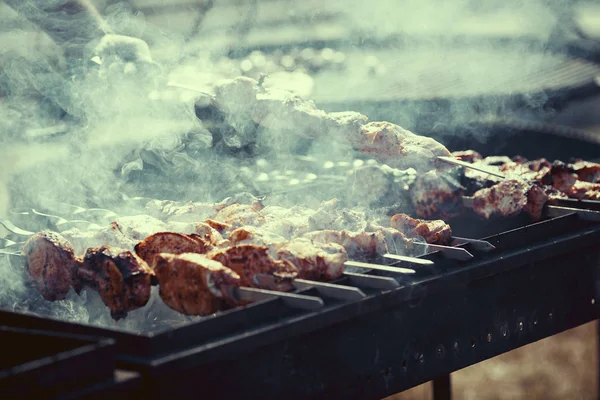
560	367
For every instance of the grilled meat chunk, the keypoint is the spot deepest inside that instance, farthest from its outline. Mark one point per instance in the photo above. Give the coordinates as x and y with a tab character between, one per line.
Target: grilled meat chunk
467	155
584	191
238	215
357	244
435	195
252	235
434	232
398	147
510	197
51	264
169	242
122	279
587	171
210	235
315	261
248	260
193	284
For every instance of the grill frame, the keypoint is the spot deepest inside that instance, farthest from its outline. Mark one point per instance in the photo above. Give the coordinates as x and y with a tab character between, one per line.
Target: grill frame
294	355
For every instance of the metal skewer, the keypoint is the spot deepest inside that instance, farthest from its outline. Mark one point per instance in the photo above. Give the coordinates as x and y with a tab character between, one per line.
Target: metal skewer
455	253
481	245
372	281
414	260
379	267
588	215
454	161
17	231
555	211
325	289
290	299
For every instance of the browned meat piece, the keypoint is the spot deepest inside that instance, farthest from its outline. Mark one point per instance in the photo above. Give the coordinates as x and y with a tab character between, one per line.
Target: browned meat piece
357	244
398	147
193	284
315	261
170	242
238	215
250	234
587	171
122	279
584	191
563	181
218	226
434	232
51	264
436	196
467	155
537	170
247	260
508	198
210	234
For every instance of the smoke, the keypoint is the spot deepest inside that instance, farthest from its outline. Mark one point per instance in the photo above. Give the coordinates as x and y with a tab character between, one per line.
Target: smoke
108	128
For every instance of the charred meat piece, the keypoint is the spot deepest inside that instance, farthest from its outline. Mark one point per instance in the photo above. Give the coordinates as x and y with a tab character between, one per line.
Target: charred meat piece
315	261
51	264
509	198
220	227
193	284
170	242
434	232
122	279
248	260
357	244
436	196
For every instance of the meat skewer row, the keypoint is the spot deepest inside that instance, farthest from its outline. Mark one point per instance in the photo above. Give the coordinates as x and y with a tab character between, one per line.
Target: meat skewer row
124	280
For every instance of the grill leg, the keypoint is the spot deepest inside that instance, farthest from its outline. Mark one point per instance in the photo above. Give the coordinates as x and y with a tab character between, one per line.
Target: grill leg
442	388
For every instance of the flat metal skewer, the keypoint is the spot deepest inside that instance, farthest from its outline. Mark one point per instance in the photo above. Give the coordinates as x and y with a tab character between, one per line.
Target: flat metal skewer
290	299
588	215
555	211
454	161
372	281
17	231
323	288
379	267
414	260
478	244
454	253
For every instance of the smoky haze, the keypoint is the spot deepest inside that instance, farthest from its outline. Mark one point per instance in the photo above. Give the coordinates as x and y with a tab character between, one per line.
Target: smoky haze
88	137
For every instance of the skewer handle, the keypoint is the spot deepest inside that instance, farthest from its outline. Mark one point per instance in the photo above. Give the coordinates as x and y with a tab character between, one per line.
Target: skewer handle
414	260
454	253
481	245
372	281
292	300
379	267
331	290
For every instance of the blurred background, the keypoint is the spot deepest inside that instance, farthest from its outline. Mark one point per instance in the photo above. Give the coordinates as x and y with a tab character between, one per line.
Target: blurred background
501	77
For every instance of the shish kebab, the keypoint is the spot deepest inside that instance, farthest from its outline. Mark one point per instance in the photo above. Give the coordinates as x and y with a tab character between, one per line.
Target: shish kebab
189	282
511	196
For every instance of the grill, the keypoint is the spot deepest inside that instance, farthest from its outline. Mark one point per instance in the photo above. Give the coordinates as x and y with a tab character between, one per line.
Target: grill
507	283
536	280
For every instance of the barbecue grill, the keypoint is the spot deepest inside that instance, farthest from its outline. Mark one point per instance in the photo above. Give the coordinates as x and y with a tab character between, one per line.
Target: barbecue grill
389	323
523	283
